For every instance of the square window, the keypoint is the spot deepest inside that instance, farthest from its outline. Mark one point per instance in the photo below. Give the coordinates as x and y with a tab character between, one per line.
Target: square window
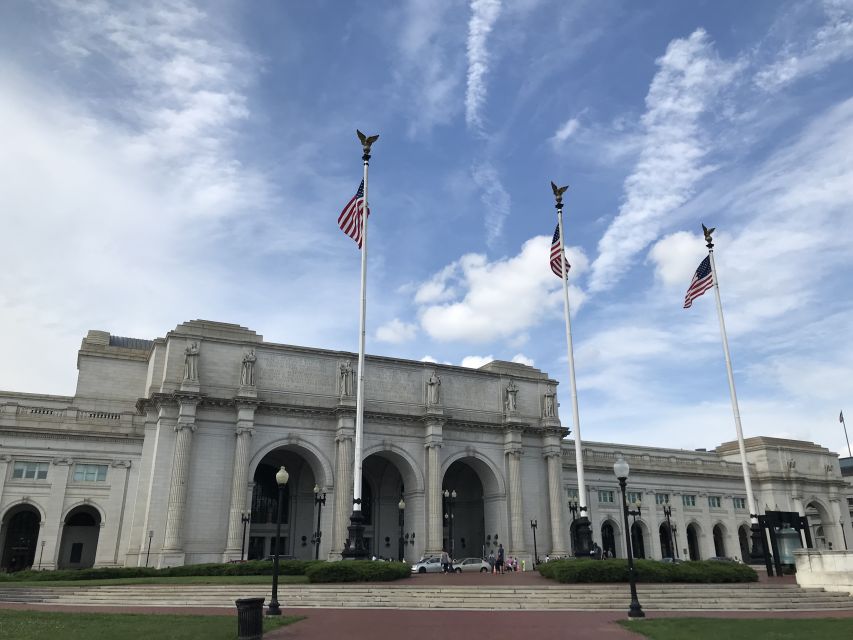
739	503
661	498
605	496
715	502
29	471
688	500
635	496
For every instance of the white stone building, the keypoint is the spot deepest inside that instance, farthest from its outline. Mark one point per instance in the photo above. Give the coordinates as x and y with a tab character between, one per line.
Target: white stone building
167	444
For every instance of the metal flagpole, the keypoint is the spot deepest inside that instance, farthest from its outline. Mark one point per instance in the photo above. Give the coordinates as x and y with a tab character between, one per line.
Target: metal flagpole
582	526
356	548
750	498
844	424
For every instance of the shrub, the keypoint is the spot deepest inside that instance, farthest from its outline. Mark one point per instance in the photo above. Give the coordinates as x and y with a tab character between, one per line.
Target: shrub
357	571
615	570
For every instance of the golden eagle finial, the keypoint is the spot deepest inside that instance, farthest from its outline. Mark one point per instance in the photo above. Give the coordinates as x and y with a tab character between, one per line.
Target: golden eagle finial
366	141
558	192
709	242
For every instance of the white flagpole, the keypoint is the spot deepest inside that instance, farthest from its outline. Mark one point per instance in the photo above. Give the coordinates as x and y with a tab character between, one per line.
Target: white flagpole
582	501
357	545
750	498
844	424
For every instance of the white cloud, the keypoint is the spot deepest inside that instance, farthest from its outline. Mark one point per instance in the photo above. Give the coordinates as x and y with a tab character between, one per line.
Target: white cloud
565	132
496	201
676	257
504	298
484	13
396	331
520	358
475	362
831	43
437	288
671	162
429	359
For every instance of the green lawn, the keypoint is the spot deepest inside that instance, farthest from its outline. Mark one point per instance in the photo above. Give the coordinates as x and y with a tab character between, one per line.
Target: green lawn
159	580
732	629
37	625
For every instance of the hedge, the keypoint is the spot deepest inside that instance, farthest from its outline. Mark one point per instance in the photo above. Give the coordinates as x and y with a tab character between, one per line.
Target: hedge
250	568
615	570
358	571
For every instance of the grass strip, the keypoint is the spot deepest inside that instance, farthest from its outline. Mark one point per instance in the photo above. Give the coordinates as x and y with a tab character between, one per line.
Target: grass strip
742	629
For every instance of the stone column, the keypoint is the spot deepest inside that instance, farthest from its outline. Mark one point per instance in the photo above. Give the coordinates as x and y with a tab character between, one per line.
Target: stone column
512	450
50	531
435	521
173	554
239	480
5	459
343	479
553	458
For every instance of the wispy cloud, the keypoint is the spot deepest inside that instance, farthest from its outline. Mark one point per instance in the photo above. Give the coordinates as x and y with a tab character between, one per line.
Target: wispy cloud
396	331
497	203
672	160
484	13
832	42
566	131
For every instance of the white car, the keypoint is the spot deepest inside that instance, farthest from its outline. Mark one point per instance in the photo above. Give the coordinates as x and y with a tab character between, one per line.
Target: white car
471	564
428	565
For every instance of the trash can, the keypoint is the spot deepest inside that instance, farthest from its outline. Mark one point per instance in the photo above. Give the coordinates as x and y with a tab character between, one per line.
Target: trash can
250	618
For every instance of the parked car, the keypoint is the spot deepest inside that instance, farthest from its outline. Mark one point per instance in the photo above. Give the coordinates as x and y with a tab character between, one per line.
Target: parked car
720	559
672	560
428	565
471	564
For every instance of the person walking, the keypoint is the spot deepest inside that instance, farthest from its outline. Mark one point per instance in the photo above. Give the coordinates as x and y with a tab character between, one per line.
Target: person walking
491	561
499	563
445	562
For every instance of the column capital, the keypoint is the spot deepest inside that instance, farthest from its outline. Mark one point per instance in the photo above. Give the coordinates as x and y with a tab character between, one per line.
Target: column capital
239	431
67	462
433	443
124	464
551	453
183	424
513	450
5	457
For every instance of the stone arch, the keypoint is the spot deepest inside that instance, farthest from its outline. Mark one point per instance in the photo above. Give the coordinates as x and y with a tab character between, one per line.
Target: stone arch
640	538
819	517
410	470
19	533
744	532
489	473
86	503
81	528
667	540
612	541
320	465
25	502
694	540
719	534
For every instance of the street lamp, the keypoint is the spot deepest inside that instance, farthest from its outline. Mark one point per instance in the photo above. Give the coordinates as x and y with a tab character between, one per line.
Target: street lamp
574	507
667	512
450	496
147	553
401	507
620	469
244	518
281	478
533	524
320	501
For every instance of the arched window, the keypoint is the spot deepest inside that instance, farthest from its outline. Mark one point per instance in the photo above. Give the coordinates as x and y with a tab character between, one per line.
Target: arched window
608	539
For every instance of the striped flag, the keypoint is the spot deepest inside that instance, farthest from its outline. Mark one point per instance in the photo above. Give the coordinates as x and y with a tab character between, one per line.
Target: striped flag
350	219
703	280
555	255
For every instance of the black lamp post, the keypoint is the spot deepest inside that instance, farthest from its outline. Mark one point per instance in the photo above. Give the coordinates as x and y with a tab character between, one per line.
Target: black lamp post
574	507
320	501
147	553
450	496
533	524
667	512
244	518
401	508
621	468
281	478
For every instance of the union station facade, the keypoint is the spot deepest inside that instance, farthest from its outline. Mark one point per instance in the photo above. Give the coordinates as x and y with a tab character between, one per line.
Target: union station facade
167	453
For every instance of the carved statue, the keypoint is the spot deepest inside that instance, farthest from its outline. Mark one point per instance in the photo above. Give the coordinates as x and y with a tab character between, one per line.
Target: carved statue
550	403
366	141
511	393
191	362
433	387
345	383
247	371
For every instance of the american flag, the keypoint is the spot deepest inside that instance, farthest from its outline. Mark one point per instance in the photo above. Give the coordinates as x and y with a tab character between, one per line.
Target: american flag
703	280
350	219
555	255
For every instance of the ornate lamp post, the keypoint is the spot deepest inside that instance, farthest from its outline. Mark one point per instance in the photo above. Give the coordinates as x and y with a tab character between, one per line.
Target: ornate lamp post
244	518
320	501
401	508
533	524
667	512
574	507
620	469
450	496
281	478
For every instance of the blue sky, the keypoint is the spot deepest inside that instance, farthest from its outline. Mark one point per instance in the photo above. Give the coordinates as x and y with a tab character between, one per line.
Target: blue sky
166	161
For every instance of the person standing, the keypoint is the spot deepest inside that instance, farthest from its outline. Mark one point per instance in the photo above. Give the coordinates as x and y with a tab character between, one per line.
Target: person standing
445	562
499	563
491	561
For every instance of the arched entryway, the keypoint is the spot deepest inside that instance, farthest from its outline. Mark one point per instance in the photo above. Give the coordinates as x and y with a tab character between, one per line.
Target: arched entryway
693	541
719	532
820	527
464	517
666	541
20	534
638	542
80	533
298	508
743	535
609	539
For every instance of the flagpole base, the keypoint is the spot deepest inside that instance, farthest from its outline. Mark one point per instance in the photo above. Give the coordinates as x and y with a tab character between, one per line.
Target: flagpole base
583	531
355	548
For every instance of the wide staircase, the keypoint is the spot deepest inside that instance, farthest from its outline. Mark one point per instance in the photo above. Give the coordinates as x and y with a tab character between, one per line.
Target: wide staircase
736	597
